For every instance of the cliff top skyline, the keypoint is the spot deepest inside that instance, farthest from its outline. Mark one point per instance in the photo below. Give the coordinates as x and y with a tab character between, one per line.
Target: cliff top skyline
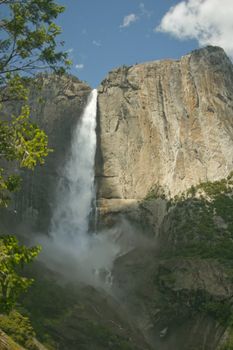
101	35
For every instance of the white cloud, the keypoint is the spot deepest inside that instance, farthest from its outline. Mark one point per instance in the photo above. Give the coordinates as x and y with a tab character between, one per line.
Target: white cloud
96	43
79	66
128	20
210	22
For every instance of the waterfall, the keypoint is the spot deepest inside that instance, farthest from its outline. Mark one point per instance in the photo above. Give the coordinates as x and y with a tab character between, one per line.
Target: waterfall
76	188
70	249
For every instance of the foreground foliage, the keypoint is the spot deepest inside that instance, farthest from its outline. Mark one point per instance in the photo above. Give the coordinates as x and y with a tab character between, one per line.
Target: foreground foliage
22	143
19	328
12	257
29	37
28	44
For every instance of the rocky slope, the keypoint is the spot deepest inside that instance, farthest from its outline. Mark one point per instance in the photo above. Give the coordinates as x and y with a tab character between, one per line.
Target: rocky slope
165	124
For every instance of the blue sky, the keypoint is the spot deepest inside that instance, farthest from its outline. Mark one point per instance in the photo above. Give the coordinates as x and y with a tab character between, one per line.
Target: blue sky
105	34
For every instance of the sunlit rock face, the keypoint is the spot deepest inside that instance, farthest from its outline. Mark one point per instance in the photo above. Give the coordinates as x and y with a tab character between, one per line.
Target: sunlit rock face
164	123
162	127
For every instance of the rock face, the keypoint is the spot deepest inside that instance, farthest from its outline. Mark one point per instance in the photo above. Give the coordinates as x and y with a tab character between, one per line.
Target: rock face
164	127
165	124
56	105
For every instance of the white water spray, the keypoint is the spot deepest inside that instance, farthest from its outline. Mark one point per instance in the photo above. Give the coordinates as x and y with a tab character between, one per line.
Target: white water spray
71	250
76	189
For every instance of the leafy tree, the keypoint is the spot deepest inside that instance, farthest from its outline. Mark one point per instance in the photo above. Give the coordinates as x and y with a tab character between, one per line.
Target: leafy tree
12	257
28	45
23	142
29	38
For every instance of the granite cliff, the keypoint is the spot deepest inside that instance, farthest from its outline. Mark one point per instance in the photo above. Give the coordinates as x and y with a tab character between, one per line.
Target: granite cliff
164	124
164	162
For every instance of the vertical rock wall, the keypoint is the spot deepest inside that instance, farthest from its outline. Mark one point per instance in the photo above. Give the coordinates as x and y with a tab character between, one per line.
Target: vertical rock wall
165	124
56	104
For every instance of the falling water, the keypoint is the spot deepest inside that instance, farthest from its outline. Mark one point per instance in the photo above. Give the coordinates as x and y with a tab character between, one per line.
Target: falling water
71	249
76	189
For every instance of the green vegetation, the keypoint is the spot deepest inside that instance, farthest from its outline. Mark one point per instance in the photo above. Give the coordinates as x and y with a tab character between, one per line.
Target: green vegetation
199	226
201	221
74	315
183	304
229	343
28	45
29	37
220	310
18	327
12	256
23	142
47	303
208	188
8	341
155	192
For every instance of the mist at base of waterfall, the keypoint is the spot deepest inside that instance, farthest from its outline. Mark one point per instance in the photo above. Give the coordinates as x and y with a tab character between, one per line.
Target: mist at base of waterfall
70	249
90	258
87	261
